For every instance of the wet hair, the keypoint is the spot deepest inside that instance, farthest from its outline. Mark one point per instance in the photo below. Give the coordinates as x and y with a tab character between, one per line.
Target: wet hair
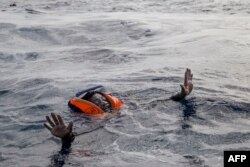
99	100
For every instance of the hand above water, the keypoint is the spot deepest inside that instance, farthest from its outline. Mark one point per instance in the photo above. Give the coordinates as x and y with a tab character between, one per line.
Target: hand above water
187	88
57	127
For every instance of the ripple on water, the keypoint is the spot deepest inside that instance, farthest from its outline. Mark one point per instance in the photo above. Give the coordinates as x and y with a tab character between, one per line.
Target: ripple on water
105	56
35	34
146	47
19	57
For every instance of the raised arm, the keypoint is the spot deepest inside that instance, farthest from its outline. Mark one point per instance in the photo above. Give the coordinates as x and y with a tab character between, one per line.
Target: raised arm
58	128
186	88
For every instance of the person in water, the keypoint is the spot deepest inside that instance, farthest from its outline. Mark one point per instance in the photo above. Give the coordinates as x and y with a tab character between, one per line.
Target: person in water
97	102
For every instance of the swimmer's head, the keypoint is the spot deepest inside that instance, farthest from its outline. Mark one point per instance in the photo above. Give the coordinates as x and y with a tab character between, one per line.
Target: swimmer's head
101	101
95	103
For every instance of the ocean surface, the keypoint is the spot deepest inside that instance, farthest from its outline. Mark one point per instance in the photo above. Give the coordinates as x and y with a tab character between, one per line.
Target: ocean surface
139	50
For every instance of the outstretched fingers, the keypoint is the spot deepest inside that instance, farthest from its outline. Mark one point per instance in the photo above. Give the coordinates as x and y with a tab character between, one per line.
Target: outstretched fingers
55	119
47	126
51	123
56	126
70	126
60	120
186	77
187	87
189	74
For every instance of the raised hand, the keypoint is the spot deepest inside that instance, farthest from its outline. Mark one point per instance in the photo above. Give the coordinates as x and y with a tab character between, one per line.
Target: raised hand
187	88
57	127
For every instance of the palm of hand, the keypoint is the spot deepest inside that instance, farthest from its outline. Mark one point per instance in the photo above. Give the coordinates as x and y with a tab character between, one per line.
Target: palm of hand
187	88
57	127
60	131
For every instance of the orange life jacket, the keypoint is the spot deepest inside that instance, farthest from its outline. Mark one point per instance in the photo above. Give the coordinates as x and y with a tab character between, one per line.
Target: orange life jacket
91	109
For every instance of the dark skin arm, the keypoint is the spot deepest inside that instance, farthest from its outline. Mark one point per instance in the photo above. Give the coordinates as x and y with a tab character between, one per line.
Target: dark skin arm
58	128
186	88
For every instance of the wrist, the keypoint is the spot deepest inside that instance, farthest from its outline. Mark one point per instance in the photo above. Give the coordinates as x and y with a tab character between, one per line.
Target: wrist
178	97
69	137
66	142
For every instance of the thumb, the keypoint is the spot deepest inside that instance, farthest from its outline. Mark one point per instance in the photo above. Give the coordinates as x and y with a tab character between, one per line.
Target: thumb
182	88
70	126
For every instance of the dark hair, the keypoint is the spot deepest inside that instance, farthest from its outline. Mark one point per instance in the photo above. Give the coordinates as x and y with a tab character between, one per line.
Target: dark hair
101	101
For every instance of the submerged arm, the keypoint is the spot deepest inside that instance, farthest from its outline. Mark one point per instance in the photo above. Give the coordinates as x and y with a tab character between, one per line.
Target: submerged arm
186	88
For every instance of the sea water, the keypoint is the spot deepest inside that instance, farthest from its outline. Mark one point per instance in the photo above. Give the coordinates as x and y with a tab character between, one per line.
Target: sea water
139	50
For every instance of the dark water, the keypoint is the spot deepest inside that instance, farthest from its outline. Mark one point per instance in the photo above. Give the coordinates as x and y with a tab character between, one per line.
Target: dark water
139	50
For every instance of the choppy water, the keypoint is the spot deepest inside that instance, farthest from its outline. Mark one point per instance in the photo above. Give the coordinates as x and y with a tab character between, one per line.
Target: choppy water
139	50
